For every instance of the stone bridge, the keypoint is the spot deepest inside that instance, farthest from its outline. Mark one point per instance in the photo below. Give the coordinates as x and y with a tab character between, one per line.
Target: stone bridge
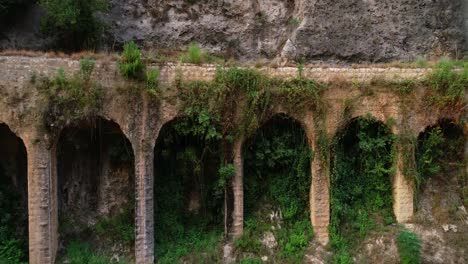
21	106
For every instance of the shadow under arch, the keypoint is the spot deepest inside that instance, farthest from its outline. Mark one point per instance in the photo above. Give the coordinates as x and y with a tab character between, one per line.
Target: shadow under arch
441	175
96	188
277	180
13	197
361	176
188	201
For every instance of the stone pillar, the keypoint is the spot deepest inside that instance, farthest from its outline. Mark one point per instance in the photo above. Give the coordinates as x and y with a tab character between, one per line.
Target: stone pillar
238	190
144	213
402	191
320	200
42	203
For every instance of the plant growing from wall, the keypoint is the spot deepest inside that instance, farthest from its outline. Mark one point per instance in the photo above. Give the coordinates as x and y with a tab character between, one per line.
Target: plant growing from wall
447	84
361	190
70	99
130	63
152	77
74	24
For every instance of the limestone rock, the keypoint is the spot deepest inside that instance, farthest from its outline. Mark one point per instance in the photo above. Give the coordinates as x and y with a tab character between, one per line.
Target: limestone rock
269	240
350	30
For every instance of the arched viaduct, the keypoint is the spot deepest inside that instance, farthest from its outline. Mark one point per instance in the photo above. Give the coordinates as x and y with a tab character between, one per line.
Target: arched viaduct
141	120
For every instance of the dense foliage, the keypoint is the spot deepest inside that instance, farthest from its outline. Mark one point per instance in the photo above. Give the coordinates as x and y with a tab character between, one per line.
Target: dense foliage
70	98
277	179
83	253
74	23
441	149
130	63
409	247
448	84
188	205
13	240
361	190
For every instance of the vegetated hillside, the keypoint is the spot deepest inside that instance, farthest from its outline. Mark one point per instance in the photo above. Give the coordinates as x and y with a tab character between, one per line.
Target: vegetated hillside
347	30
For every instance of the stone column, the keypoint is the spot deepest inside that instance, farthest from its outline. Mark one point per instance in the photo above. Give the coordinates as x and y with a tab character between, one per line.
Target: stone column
402	191
42	203
144	213
320	200
238	190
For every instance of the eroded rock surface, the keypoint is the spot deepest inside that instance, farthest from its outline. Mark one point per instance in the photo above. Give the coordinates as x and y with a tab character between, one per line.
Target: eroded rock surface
351	30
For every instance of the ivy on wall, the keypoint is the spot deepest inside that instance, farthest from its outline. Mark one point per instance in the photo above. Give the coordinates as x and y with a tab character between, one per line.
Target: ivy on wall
361	189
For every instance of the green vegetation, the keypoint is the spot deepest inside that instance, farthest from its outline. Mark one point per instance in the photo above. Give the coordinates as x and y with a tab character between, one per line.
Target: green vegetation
70	99
277	179
294	22
119	228
86	68
409	246
13	244
152	77
421	62
74	24
188	207
193	55
13	239
82	253
130	64
441	149
196	55
430	151
361	190
448	84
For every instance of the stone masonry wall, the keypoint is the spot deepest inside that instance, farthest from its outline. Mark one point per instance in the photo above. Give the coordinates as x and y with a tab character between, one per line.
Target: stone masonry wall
141	119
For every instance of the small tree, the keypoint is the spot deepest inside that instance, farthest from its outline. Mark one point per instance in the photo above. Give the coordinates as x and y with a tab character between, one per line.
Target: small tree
130	64
74	23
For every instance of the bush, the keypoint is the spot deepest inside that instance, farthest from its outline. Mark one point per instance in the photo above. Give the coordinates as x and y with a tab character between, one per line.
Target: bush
82	253
448	84
152	80
74	22
86	68
119	228
11	251
70	99
409	246
130	64
361	190
193	55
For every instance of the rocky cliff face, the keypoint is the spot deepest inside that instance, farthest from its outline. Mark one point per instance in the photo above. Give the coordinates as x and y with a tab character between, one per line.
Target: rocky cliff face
351	30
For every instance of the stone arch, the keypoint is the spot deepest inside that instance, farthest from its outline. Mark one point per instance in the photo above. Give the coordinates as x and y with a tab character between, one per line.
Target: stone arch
280	131
95	176
352	181
441	150
185	172
14	191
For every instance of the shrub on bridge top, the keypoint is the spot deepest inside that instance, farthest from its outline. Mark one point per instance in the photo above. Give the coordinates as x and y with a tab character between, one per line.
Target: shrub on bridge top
130	64
74	23
449	84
